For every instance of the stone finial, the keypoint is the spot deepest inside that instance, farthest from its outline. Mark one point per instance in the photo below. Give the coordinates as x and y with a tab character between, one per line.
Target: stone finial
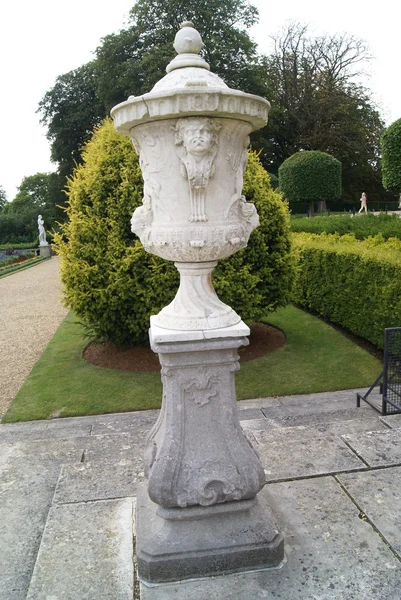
188	39
187	43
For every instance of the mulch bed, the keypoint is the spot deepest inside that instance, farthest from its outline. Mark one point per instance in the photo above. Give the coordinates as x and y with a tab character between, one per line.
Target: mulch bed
263	339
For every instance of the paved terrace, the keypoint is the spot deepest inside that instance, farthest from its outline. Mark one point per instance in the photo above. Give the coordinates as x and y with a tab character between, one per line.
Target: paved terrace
333	473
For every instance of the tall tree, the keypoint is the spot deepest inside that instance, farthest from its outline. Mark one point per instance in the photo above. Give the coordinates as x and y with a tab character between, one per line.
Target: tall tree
318	106
39	193
310	82
3	197
132	61
310	176
70	110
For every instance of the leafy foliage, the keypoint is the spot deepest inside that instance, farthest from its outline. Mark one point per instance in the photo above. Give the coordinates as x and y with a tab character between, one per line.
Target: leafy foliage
356	284
273	181
361	227
37	194
316	105
391	159
3	198
130	62
70	110
310	81
114	286
310	176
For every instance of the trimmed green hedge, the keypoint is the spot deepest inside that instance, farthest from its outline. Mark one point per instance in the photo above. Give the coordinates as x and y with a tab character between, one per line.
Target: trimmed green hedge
20	246
391	159
310	176
356	284
361	226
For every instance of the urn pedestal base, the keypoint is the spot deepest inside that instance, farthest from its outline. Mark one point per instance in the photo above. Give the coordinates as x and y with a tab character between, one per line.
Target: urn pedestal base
186	543
202	511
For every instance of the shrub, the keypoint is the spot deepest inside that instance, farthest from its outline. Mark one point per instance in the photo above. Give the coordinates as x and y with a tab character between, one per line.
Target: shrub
20	246
114	286
310	176
391	157
356	284
362	227
273	181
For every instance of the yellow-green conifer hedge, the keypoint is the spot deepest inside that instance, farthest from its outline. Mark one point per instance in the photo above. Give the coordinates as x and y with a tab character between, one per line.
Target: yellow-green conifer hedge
114	286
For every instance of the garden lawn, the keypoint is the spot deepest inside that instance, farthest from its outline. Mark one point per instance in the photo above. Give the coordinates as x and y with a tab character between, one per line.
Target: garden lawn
315	358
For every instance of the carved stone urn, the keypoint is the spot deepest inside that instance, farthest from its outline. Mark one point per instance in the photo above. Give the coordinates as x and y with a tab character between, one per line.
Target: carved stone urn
191	133
201	511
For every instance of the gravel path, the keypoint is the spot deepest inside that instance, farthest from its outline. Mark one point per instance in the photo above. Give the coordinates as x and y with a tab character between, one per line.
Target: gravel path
31	311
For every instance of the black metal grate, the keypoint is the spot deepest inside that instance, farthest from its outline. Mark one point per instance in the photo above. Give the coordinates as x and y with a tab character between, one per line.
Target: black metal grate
392	371
389	379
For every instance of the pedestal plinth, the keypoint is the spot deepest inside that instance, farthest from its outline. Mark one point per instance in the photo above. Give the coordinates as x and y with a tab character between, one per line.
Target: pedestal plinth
200	514
45	251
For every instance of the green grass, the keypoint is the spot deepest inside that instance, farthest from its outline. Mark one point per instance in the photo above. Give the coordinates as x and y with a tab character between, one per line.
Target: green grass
315	358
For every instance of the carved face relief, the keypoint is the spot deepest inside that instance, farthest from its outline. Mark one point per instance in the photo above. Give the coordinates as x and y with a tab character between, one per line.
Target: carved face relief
196	140
197	136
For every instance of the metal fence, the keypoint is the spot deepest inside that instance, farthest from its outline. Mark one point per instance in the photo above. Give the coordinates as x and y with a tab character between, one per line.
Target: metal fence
389	379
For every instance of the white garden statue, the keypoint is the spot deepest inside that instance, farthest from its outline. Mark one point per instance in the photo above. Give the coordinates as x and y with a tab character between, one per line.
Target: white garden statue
42	232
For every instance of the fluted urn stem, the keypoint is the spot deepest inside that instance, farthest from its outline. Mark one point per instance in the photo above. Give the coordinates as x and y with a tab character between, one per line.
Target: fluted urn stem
196	305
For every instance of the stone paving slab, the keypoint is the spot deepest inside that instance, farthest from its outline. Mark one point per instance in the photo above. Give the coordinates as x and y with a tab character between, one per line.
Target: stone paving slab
259	403
378	494
392	421
254	413
255	424
331	554
134	423
41	430
377	448
312	408
28	476
286	457
88	481
267	434
315	417
138	431
323	398
26	492
113	448
86	553
48	451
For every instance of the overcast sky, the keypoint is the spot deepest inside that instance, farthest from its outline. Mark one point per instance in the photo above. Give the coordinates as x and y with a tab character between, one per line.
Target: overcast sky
41	39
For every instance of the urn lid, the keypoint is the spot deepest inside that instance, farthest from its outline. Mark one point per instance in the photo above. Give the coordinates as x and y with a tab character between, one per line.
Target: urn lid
190	89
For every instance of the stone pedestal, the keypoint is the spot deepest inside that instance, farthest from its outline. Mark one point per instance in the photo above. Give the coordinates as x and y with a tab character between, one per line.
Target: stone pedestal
186	543
200	514
45	251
